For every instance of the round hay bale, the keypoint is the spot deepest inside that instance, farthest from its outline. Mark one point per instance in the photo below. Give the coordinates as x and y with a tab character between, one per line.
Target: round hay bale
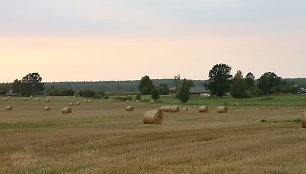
77	103
25	99
31	97
47	100
9	108
152	101
222	109
170	108
129	108
70	104
153	117
127	101
5	99
66	110
85	101
38	99
184	109
89	101
137	101
203	109
8	97
51	98
47	108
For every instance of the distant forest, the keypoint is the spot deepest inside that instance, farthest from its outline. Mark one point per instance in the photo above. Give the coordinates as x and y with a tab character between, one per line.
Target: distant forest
113	86
123	86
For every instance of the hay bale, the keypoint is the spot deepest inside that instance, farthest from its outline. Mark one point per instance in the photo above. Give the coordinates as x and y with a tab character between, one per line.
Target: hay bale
203	109
184	109
222	109
77	103
51	98
25	99
170	108
38	99
70	104
304	120
127	101
5	99
153	117
129	108
9	108
152	101
89	101
31	97
47	100
85	101
66	110
137	101
47	108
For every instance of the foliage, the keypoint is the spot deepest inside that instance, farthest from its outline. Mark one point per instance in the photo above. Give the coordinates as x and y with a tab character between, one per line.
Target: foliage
138	96
184	91
269	83
4	88
87	93
124	98
155	94
17	87
219	79
163	89
145	86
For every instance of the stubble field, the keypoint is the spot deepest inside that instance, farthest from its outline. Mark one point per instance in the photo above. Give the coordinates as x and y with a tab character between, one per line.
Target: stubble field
101	137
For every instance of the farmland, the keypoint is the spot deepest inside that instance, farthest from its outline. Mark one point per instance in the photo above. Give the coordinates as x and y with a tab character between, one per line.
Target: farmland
263	136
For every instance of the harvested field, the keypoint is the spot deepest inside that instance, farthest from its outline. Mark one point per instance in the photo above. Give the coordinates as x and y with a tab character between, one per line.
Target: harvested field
103	138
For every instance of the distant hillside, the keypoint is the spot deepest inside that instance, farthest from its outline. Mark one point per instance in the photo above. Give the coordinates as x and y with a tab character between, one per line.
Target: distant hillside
298	81
113	86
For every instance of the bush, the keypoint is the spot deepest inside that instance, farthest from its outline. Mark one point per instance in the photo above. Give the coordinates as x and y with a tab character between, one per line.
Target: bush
124	98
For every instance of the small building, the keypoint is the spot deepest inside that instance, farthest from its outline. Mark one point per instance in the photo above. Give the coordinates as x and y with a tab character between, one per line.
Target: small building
199	91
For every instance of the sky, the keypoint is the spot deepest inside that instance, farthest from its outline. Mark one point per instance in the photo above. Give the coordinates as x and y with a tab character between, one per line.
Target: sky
93	40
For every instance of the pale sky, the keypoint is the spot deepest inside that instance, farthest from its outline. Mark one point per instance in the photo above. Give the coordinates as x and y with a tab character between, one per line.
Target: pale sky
90	40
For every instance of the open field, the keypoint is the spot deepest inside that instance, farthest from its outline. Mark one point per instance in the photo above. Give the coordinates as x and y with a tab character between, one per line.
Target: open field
101	137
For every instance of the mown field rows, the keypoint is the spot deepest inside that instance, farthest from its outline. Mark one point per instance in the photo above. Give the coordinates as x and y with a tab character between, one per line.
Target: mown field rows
101	137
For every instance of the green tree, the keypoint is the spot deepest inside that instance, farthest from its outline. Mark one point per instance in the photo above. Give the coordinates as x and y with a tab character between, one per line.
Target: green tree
145	86
219	79
178	85
155	94
249	78
239	86
269	83
184	90
17	87
163	89
32	84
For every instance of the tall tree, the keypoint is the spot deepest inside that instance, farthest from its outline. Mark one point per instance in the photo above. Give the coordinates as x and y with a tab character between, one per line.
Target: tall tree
219	79
184	90
145	86
155	94
238	86
268	82
32	84
249	78
17	87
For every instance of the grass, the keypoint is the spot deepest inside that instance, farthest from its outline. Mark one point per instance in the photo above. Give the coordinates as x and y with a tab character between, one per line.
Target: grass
101	137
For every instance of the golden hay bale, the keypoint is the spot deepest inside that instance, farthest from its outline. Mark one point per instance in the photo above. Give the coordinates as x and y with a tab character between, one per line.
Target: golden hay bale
127	101
25	99
222	109
137	101
47	100
9	108
47	108
77	103
89	101
170	108
184	109
51	98
37	99
153	117
203	109
70	104
129	108
85	101
66	110
31	97
5	99
152	101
